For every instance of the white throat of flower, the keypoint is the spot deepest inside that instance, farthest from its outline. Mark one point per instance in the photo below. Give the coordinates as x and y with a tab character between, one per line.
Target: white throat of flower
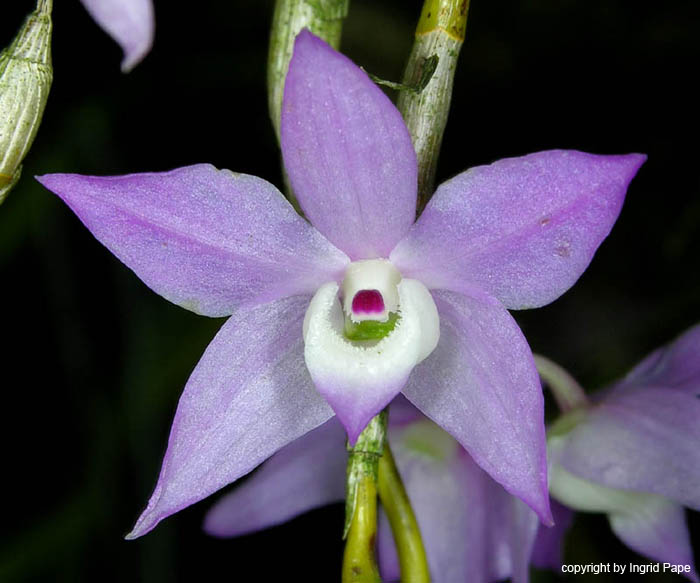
373	292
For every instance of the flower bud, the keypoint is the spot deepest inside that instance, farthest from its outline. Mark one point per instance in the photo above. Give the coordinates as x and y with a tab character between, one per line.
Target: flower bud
25	80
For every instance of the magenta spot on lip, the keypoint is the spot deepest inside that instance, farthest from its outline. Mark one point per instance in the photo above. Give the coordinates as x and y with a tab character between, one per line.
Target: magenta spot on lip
368	301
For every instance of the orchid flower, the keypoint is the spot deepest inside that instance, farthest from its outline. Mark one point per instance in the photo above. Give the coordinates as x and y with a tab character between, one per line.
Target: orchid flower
634	456
473	529
129	22
515	234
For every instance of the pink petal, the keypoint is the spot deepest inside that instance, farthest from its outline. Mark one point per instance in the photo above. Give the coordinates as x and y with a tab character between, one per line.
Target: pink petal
387	557
659	532
249	396
481	386
205	239
347	152
549	544
655	434
129	22
523	229
513	529
676	365
306	474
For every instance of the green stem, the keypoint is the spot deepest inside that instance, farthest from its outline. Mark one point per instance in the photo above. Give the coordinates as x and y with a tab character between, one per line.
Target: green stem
363	460
440	33
568	394
359	564
409	544
324	18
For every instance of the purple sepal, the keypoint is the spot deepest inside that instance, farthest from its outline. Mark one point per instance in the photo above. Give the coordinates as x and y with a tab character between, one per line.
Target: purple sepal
644	440
676	365
483	370
523	229
304	475
249	395
659	531
208	240
347	152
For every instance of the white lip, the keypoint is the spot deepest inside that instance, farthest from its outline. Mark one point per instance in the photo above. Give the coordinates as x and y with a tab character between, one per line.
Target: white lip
331	357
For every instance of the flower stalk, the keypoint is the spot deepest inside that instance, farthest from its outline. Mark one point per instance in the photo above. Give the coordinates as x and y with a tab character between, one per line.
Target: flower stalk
409	544
359	563
440	33
567	393
25	81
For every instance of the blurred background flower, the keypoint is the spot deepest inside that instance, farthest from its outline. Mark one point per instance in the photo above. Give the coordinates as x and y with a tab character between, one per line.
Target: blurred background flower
94	362
633	455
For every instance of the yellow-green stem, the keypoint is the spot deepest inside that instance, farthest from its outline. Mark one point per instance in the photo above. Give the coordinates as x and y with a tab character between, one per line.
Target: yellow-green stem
409	544
359	564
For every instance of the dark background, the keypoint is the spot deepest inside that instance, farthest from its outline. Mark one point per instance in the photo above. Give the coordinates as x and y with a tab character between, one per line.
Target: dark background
93	362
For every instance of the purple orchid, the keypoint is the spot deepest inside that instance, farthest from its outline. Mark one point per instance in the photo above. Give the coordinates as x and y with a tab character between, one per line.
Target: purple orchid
129	22
634	455
514	234
473	529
